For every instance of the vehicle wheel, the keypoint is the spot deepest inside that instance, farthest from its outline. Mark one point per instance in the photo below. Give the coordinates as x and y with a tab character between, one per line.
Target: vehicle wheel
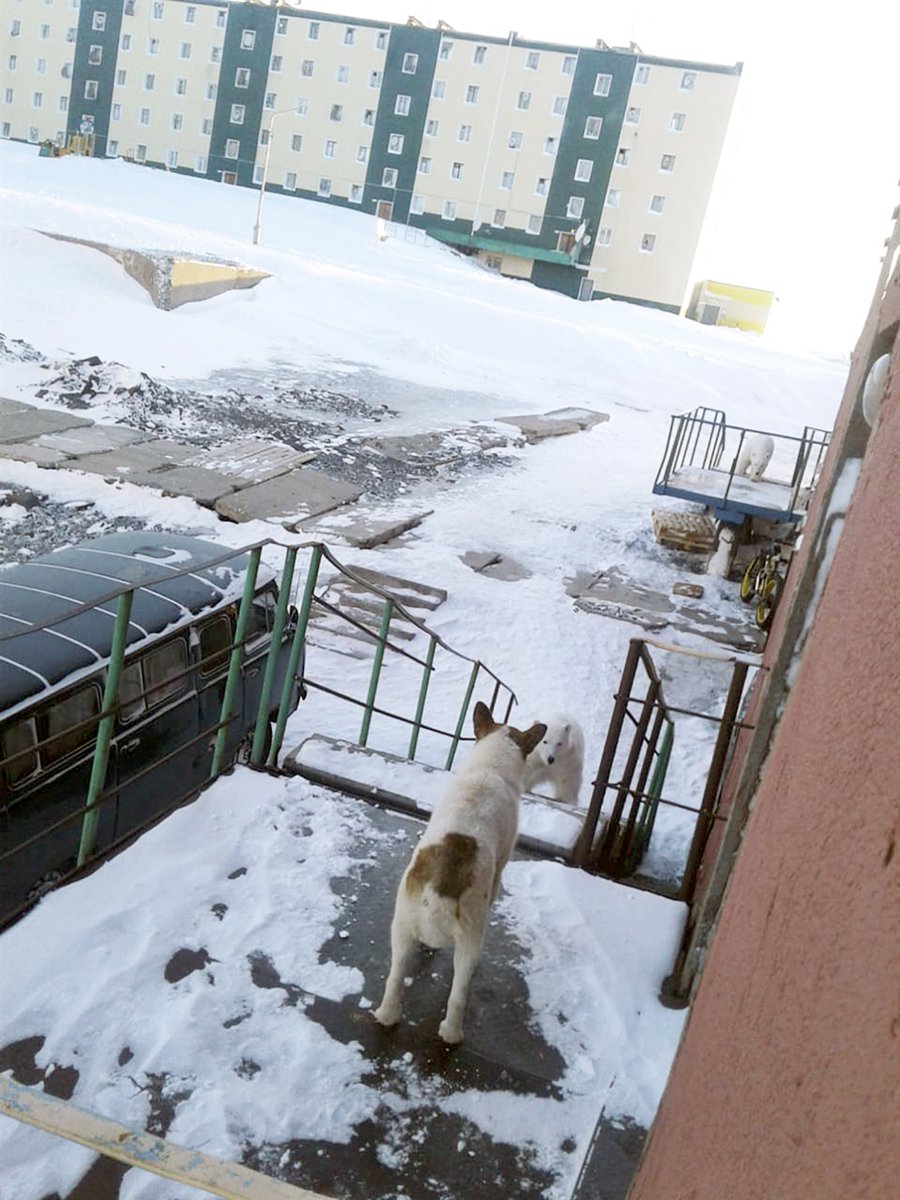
748	579
768	600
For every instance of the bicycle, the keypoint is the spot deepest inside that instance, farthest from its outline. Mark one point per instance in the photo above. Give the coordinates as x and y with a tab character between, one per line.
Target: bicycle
762	584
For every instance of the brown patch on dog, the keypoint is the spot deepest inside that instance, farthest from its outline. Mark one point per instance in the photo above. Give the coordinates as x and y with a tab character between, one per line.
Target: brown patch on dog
529	739
483	721
448	865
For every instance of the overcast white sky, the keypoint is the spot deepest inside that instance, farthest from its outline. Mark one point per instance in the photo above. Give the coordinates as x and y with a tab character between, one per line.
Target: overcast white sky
808	180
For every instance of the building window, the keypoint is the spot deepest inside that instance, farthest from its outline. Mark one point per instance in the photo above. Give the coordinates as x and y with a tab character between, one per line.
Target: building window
448	212
575	207
688	79
657	204
424	166
37	100
583	170
200	163
532	60
642	74
330	150
446	50
456	171
381	38
206	126
401	106
534	224
560	104
211	89
140	153
349	36
177	122
307	67
290	181
248	39
281	26
410	64
343	74
153	46
542	186
592	127
613	197
296	141
356	193
431	128
242	77
126	41
524	101
158	10
337	112
464	133
499	218
417	204
374	79
632	116
389	177
6	129
15	29
64	104
144	117
472	94
623	156
362	154
149	83
276	63
237	114
215	54
112	149
12	61
676	122
8	96
95	57
270	100
324	188
568	64
507	179
172	158
515	139
301	106
181	87
116	112
185	50
264	137
550	145
602	84
368	116
439	91
604	235
667	163
98	21
90	89
221	19
479	55
312	31
395	143
232	148
648	243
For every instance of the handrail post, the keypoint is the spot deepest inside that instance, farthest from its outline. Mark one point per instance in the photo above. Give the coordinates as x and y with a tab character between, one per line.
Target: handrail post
383	630
262	712
234	665
420	705
473	675
105	727
312	578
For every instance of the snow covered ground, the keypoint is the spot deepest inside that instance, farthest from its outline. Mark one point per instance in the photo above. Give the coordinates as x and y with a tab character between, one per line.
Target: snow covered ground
442	343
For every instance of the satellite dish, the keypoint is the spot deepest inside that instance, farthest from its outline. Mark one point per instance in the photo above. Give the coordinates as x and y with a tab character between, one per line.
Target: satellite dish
873	389
580	232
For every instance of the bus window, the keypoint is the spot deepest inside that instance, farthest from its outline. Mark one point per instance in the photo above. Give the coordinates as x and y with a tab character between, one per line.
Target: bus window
63	719
215	642
165	671
19	755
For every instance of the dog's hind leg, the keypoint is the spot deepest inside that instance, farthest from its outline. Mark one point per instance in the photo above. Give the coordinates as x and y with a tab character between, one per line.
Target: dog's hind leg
402	942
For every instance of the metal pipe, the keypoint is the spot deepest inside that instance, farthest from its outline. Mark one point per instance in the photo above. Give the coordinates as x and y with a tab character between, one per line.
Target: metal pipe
105	728
420	705
262	712
312	577
473	675
607	852
386	614
234	665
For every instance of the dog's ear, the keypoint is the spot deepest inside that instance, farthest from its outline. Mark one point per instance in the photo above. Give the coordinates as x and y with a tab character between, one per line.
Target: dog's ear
529	739
483	721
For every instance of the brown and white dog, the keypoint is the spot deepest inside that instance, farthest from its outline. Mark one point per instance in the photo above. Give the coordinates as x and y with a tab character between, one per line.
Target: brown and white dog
454	874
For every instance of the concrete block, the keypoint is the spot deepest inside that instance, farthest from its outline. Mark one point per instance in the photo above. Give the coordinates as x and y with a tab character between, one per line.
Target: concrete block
206	487
131	461
692	590
495	565
289	499
363	529
27	424
12	406
94	439
41	456
252	460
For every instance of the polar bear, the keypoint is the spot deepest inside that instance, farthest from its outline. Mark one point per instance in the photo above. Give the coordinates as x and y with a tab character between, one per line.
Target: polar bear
753	459
558	759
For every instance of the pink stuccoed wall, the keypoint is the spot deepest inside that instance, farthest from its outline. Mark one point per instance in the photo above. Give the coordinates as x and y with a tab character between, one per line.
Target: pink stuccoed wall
786	1083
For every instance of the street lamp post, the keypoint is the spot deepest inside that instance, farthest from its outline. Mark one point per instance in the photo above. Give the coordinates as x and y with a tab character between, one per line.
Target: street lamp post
262	187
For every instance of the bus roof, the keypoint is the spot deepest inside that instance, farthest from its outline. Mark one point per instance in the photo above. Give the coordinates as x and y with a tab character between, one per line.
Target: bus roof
57	612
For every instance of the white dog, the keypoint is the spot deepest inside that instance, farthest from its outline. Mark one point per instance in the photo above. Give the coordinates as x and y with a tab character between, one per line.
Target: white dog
558	759
753	459
454	873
